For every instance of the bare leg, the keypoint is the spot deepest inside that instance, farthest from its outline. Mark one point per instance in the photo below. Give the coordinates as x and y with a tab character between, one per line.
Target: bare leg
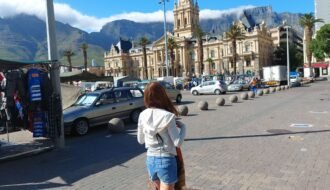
157	184
164	186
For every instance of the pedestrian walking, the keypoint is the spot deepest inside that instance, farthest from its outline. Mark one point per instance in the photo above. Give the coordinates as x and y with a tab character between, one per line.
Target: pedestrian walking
253	85
162	135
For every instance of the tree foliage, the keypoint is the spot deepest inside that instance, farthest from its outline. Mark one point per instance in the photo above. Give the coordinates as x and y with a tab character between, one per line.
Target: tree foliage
143	42
172	45
198	34
68	53
308	21
84	47
296	56
234	34
321	44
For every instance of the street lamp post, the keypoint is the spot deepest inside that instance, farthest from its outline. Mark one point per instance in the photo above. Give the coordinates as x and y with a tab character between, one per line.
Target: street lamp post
165	33
55	72
288	53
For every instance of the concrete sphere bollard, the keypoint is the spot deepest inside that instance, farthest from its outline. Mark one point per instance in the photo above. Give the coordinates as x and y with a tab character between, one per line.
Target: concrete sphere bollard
251	94
244	96
278	88
203	105
287	87
260	92
183	110
283	87
220	101
266	91
116	125
272	90
233	99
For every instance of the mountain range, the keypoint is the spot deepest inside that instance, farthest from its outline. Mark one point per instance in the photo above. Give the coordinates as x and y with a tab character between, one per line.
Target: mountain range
23	37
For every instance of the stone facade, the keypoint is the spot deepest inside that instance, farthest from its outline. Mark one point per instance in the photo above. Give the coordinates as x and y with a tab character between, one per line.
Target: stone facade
254	52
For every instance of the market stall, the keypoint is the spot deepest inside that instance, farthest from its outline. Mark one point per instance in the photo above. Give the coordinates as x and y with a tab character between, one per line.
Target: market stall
27	100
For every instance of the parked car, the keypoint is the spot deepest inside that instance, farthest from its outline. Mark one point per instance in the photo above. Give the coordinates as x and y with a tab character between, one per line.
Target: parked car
99	107
239	85
210	87
295	79
172	92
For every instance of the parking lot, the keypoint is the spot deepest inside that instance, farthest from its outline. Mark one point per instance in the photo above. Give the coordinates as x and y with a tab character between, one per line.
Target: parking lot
277	141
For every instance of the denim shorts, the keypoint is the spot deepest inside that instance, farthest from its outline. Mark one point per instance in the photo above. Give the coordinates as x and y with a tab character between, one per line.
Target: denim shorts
162	169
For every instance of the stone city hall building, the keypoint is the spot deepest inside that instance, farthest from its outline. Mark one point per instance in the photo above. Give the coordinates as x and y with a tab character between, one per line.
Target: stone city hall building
253	52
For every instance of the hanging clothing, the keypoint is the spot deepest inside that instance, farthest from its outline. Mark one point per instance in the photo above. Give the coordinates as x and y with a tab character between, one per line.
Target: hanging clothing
15	82
34	85
39	124
2	81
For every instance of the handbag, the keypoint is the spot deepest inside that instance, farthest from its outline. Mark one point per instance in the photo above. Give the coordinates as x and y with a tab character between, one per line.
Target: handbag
181	183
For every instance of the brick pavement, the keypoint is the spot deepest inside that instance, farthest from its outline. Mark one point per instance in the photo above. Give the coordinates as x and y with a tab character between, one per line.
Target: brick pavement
248	145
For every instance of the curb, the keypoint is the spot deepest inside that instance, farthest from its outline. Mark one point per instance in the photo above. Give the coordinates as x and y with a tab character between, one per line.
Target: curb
26	154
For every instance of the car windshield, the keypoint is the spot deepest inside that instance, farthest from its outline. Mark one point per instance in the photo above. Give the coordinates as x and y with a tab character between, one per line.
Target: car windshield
142	86
86	100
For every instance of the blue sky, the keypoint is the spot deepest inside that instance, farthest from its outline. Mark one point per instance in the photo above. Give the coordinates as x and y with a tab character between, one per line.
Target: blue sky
91	15
105	8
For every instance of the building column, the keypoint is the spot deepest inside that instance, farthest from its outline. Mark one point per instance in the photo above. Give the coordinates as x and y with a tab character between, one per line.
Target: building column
257	67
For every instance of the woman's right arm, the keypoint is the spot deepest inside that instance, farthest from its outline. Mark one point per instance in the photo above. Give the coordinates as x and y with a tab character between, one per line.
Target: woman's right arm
140	134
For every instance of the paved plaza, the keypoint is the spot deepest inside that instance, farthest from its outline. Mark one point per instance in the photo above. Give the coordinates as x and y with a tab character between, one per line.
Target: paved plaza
277	141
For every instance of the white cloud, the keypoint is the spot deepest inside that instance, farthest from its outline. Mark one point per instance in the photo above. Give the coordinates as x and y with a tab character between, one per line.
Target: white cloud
213	14
66	14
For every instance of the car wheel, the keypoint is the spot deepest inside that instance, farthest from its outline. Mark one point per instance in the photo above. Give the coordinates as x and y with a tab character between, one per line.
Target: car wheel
195	93
217	92
81	127
178	99
135	115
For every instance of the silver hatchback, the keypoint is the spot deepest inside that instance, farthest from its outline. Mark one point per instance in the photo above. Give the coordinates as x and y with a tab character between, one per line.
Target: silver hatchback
99	107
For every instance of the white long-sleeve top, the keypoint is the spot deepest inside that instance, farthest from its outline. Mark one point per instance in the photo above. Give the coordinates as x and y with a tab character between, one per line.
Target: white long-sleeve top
153	121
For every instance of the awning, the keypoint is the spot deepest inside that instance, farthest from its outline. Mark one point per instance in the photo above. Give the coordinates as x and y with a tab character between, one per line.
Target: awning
322	65
10	64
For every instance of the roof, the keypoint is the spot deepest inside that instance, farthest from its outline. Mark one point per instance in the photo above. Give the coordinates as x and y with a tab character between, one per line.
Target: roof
111	89
83	76
11	64
123	45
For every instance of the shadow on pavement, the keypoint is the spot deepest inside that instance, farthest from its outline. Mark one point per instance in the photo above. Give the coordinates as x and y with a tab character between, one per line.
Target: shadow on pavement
254	136
191	115
186	102
82	157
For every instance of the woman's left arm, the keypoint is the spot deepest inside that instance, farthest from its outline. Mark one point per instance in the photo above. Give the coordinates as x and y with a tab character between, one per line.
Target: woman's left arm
176	135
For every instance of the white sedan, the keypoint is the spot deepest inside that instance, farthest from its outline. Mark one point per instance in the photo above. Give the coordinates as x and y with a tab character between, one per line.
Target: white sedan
210	87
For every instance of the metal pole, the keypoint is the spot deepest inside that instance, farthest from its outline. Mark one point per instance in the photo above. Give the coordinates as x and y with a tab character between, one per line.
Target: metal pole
55	70
165	33
288	56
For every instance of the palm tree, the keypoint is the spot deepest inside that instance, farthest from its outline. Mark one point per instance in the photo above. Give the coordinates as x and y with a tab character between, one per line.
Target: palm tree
308	21
198	34
172	45
68	53
84	48
210	61
233	34
144	42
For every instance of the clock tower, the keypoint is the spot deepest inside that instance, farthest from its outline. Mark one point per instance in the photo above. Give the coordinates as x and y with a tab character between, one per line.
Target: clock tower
186	18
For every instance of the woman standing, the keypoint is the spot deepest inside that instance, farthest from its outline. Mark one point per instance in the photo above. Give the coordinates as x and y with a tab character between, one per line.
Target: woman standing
161	133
